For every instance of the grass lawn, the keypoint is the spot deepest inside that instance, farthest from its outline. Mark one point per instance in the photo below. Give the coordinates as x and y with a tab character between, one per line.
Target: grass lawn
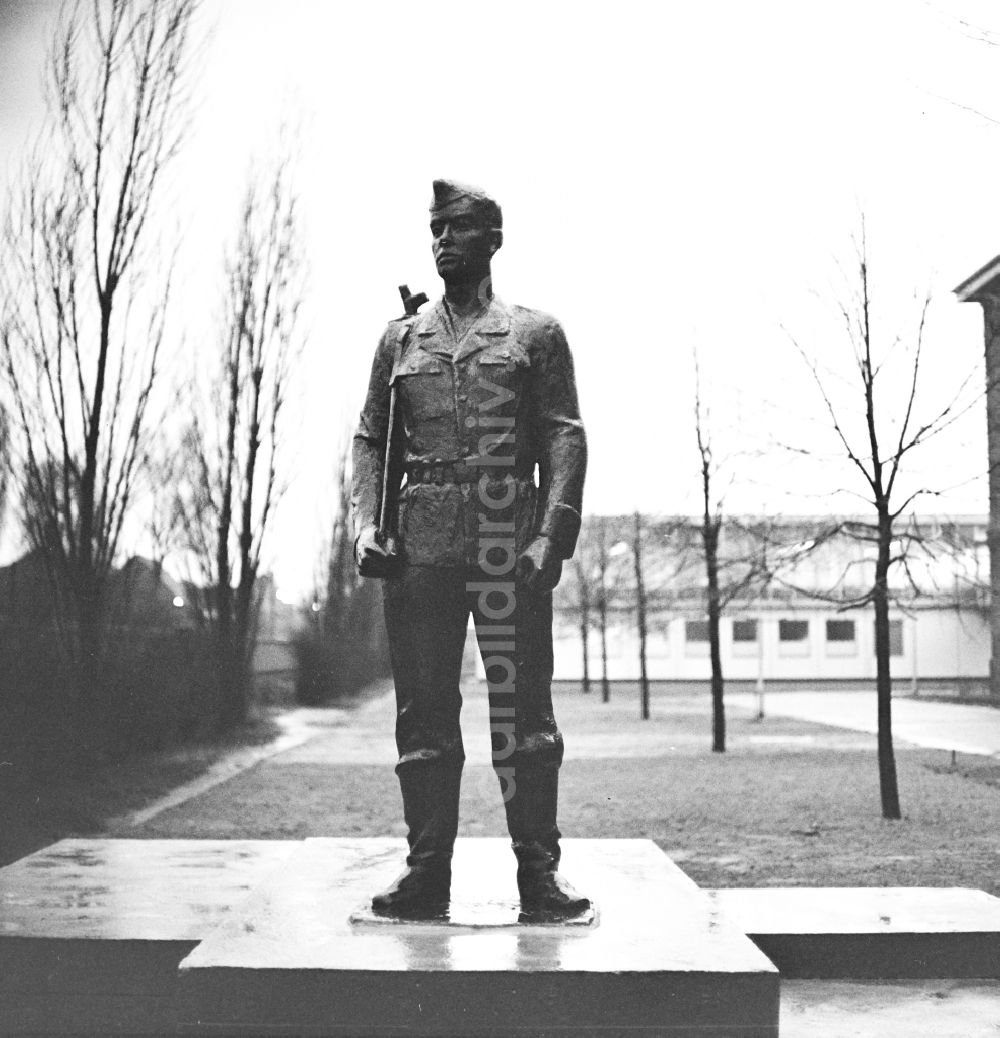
75	800
789	803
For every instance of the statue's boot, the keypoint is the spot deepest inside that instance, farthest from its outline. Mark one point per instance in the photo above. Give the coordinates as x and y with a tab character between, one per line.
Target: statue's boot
430	807
531	819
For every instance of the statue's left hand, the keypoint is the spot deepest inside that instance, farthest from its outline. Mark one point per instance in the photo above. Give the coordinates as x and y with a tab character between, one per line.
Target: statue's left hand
538	566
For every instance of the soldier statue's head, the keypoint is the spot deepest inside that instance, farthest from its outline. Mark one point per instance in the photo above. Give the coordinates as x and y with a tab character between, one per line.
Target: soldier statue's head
466	230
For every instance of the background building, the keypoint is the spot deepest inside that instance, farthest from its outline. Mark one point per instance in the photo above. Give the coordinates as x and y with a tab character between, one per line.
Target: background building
793	615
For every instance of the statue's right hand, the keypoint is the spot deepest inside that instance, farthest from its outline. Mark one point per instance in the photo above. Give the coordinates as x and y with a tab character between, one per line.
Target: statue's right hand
374	559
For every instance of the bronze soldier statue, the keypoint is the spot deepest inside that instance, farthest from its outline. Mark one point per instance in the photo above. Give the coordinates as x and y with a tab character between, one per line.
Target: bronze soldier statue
479	395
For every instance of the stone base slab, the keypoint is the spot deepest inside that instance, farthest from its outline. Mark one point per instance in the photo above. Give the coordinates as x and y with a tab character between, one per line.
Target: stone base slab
92	931
658	959
888	933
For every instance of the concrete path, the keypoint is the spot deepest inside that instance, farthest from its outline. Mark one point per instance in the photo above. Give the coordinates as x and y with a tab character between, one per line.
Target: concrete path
296	726
366	735
890	1009
962	727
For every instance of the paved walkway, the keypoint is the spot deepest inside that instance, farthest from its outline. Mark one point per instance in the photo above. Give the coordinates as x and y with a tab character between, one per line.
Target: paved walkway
364	736
962	727
297	726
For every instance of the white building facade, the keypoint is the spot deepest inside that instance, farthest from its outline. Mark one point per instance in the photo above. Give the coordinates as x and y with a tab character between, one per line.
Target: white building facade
794	631
778	643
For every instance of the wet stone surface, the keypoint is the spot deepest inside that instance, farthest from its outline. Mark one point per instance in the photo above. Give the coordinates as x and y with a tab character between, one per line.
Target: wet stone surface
658	957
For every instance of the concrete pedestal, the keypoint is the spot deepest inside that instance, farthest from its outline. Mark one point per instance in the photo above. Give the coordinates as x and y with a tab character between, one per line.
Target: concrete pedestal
870	932
656	959
92	931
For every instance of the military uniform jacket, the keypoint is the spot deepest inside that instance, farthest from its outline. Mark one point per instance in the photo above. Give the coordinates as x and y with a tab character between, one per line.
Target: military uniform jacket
490	410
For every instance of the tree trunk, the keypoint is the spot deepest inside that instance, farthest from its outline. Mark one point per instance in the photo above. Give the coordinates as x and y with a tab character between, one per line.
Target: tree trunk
586	655
710	528
584	627
602	606
244	638
640	595
888	786
224	655
715	651
87	587
602	609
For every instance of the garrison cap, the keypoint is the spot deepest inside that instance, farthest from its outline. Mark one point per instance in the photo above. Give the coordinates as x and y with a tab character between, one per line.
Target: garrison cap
448	191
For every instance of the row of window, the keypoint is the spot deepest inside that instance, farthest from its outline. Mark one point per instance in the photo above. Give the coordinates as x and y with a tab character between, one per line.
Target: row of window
840	631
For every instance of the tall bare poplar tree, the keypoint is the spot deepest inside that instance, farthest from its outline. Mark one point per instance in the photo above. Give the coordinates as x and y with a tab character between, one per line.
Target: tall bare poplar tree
83	310
234	446
735	555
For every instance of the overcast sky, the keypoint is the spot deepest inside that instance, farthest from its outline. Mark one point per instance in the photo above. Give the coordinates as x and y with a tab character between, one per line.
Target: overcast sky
673	175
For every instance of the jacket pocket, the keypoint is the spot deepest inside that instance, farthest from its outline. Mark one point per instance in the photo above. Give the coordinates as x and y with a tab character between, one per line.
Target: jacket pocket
431	525
425	389
501	375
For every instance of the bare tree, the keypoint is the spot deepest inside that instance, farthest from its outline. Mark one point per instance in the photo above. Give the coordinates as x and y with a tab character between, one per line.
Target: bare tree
711	525
581	594
83	320
603	594
589	594
743	568
341	571
640	614
234	448
876	450
635	579
583	580
343	645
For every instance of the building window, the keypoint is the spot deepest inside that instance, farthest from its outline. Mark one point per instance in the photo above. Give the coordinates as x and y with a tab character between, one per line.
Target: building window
793	630
841	638
696	638
840	631
895	638
745	638
744	630
793	638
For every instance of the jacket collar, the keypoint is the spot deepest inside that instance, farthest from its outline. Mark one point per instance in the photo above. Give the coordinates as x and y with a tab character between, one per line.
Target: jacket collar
433	335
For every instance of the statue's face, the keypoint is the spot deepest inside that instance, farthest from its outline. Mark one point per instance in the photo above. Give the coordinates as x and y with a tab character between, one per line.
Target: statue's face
462	246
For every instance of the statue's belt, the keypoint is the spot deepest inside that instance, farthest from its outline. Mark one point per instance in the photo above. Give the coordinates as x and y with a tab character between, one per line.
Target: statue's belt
466	470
